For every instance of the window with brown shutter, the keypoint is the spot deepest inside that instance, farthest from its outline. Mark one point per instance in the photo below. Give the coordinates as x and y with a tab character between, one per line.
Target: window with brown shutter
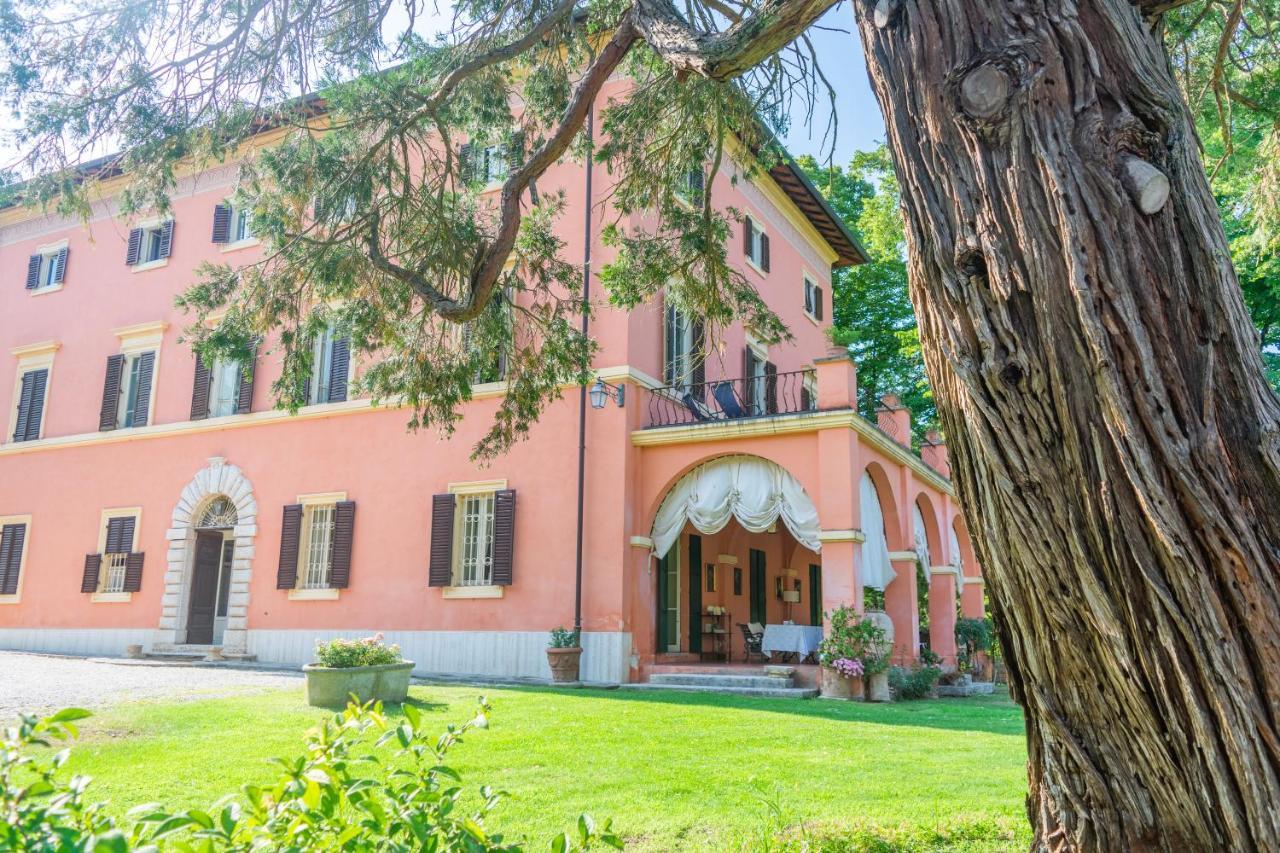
135	247
34	264
244	395
92	566
31	405
339	367
764	252
107	416
13	537
200	391
133	572
440	572
120	534
770	388
818	304
290	534
340	545
504	534
221	223
140	391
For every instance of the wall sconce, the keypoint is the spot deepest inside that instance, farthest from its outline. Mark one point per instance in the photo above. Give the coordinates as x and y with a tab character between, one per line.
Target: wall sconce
602	391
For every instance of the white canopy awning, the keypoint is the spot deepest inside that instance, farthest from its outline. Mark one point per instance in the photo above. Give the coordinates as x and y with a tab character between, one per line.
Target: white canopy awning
877	571
755	491
921	537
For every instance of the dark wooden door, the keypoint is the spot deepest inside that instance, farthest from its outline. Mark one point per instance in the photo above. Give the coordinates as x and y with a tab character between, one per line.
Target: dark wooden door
758	592
695	594
204	588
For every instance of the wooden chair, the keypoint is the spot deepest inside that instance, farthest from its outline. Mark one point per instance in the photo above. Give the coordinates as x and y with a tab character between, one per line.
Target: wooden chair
751	644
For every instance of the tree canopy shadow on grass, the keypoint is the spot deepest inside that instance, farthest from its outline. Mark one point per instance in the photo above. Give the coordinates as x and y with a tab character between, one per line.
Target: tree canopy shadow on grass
994	715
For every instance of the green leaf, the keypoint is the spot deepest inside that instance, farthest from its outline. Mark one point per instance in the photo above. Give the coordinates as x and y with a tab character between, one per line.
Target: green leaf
413	715
66	715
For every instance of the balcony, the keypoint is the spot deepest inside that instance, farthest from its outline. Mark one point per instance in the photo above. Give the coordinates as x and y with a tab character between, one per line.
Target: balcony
731	399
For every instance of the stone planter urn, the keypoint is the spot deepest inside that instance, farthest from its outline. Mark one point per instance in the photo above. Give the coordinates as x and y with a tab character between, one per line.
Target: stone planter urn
332	687
564	664
837	686
878	687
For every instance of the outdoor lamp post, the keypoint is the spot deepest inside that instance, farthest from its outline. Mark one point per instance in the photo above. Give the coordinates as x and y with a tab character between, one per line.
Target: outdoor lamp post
602	391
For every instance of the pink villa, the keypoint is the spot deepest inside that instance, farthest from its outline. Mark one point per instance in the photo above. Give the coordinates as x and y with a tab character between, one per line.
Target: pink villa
150	500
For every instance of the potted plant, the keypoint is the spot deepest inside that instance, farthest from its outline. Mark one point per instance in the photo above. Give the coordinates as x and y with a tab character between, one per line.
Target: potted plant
367	668
840	654
875	666
973	639
564	655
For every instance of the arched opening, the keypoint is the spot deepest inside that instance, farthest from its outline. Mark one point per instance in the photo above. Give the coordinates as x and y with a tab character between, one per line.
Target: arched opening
877	570
737	548
211	566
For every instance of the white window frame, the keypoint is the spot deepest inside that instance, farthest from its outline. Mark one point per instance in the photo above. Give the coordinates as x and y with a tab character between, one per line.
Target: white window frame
104	594
16	597
32	357
756	255
810	291
463	492
224	371
47	253
239	214
759	393
684	353
321	367
310	504
134	341
488	155
151	229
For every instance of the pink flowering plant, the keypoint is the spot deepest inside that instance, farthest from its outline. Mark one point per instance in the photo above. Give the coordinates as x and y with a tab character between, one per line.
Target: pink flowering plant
853	642
367	651
848	667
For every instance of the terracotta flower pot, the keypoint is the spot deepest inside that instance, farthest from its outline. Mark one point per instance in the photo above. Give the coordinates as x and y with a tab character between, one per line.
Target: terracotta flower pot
564	664
837	686
878	687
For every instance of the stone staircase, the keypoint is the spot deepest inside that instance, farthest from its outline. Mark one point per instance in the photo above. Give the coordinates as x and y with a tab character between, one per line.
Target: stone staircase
777	682
187	653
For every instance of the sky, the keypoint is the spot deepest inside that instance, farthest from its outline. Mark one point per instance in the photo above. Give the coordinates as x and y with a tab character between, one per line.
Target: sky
860	126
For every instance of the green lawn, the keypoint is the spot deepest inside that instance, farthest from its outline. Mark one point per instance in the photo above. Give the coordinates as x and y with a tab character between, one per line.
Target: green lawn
675	771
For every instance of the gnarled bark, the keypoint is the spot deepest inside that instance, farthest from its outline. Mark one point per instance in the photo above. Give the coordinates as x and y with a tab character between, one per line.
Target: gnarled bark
1113	440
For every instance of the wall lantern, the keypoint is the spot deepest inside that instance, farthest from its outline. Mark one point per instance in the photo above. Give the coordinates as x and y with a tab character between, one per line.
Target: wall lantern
602	391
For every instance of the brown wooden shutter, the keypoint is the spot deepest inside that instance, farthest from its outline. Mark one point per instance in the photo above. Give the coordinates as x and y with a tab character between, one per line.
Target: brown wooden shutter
504	535
290	534
135	247
221	223
770	388
92	566
339	366
12	537
244	392
808	298
33	271
166	239
120	535
344	522
109	413
747	227
465	170
142	410
748	380
764	252
60	265
25	398
200	391
133	572
441	569
668	344
818	306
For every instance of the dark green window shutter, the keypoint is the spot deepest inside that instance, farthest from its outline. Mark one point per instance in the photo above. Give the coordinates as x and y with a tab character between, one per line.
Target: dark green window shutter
344	522
142	409
759	608
815	594
504	536
695	594
111	392
440	572
92	567
660	635
290	534
12	539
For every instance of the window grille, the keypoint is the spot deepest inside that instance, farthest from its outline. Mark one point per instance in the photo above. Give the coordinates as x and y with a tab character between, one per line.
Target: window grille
319	528
475	566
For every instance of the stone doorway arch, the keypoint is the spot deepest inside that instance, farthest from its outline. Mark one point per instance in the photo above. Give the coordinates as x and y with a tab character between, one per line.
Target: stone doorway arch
216	480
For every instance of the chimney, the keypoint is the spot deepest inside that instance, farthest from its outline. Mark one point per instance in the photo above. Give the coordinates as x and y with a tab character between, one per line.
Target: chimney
895	419
933	450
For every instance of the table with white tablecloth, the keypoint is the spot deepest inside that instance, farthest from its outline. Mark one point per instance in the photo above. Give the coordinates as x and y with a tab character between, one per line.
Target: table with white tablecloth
802	640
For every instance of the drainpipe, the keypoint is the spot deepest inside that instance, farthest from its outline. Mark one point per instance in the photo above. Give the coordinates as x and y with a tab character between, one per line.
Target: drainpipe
582	391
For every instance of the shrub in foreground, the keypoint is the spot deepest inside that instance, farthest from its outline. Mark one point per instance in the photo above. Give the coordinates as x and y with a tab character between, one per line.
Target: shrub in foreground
364	782
916	683
368	651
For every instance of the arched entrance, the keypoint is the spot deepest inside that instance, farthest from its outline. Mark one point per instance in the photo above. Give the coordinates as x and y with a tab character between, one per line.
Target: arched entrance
206	592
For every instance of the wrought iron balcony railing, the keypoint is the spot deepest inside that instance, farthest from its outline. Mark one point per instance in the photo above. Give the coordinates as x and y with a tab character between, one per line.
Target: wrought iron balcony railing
731	399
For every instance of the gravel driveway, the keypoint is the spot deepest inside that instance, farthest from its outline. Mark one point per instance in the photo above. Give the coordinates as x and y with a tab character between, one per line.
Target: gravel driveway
30	682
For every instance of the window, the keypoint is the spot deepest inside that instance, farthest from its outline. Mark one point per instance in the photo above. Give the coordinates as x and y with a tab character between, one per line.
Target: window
691	187
317	526
224	388
490	164
755	373
135	381
13	553
31	390
682	364
493	167
755	244
330	366
472	539
813	299
315	546
150	244
46	268
127	387
232	223
114	572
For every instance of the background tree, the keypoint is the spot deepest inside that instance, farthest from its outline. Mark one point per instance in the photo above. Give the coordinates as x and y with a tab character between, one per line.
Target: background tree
872	312
1114	441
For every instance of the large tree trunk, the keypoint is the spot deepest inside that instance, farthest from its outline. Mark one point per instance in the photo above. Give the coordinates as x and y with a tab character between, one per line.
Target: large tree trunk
1115	446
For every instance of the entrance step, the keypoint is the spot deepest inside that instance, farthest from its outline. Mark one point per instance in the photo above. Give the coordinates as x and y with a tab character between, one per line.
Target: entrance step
189	653
686	679
766	692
